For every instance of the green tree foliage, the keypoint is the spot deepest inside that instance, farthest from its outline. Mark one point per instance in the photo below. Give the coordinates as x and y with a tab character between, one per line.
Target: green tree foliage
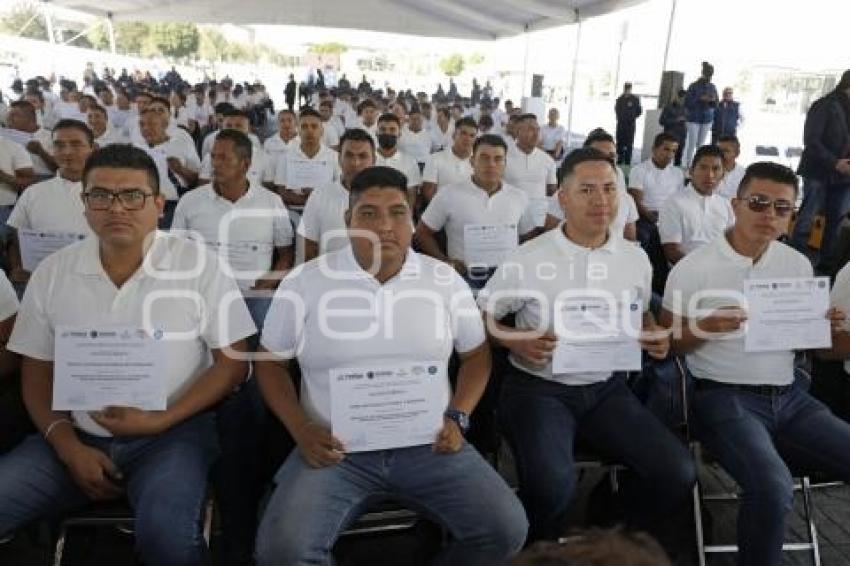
452	65
130	37
332	48
12	21
173	40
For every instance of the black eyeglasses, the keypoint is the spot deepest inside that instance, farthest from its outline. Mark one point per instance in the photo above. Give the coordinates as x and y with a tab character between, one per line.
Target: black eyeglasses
760	203
102	199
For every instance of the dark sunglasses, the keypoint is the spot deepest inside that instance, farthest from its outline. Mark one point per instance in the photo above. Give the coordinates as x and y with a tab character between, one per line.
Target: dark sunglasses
760	203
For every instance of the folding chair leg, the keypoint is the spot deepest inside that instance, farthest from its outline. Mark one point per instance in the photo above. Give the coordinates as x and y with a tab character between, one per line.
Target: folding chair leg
810	522
59	550
698	525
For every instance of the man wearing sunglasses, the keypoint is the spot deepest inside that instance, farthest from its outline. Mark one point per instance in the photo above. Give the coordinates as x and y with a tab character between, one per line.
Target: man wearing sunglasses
696	215
751	410
168	298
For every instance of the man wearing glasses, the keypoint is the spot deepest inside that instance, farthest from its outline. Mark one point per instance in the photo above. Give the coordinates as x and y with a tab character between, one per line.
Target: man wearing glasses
751	410
168	299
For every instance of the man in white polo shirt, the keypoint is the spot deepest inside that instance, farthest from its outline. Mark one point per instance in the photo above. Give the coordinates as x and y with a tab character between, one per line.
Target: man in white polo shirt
752	409
322	224
37	141
97	119
53	207
553	136
326	483
132	282
484	217
16	174
696	215
286	137
261	166
367	118
733	171
653	181
416	137
332	126
307	166
552	392
178	136
452	164
442	129
529	168
389	154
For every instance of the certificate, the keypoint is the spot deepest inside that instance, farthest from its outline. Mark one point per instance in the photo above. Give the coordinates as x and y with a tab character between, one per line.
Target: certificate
538	207
596	334
95	367
488	244
244	258
380	408
787	314
16	136
307	173
36	245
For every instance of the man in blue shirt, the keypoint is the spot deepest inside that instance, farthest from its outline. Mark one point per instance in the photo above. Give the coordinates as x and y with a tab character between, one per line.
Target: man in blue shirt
727	116
700	103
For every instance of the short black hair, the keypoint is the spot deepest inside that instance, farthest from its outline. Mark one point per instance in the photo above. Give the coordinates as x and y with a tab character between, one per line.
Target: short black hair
368	103
69	124
770	171
99	108
526	116
28	108
706	151
598	135
663	138
242	145
36	93
492	140
377	176
389	117
235	113
730	139
224	108
357	135
582	155
122	156
160	100
444	110
308	112
485	121
466	121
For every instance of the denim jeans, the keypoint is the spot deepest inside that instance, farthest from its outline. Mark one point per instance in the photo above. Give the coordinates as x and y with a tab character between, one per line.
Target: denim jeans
837	206
753	436
697	134
814	196
311	507
166	483
541	420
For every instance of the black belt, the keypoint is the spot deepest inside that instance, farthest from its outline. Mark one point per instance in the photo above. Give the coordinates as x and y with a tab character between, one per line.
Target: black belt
766	390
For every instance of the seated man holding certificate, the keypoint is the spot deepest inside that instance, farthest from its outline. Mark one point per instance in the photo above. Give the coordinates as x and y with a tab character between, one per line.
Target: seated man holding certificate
49	215
373	326
580	295
124	339
752	411
484	217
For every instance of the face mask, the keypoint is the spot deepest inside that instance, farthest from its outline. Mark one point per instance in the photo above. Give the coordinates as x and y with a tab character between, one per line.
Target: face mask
387	141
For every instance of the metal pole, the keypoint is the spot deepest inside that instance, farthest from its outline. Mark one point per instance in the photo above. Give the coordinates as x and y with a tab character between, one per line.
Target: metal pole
110	30
48	22
615	87
573	80
669	35
525	62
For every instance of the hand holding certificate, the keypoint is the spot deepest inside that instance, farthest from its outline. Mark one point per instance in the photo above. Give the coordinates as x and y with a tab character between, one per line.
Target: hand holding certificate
35	245
488	244
787	314
388	407
307	173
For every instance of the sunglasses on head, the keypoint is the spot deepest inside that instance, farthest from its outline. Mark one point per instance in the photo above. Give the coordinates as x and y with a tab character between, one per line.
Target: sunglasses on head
760	203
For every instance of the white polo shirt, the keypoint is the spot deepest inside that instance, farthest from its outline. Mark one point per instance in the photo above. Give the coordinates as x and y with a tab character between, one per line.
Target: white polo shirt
841	296
178	136
53	205
323	218
533	277
160	153
657	185
275	145
531	172
403	163
466	203
550	136
258	172
416	144
330	137
248	229
728	187
71	288
8	298
692	220
297	321
704	281
327	158
13	157
445	168
441	140
110	136
45	138
627	211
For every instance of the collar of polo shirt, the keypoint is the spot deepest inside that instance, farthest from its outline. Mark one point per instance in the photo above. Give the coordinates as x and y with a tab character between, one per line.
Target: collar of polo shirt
728	251
411	267
158	256
611	245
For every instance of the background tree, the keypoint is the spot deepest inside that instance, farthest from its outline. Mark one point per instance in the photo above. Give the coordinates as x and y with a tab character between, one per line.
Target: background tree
173	40
12	21
452	65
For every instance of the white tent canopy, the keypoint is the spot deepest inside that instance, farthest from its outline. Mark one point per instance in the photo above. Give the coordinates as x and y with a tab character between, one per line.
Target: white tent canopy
462	19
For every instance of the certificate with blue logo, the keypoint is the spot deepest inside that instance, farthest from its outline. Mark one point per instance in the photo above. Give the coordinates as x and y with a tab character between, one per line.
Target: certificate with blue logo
787	314
99	366
380	408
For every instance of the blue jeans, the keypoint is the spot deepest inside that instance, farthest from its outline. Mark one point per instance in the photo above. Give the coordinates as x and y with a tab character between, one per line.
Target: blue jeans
311	507
752	436
837	206
541	419
166	485
814	196
697	134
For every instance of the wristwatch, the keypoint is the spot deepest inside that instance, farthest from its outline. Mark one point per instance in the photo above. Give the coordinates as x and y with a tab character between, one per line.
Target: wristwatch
459	417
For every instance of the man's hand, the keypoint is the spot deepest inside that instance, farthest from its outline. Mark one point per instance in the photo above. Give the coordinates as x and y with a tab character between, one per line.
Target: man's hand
130	421
318	446
836	318
19	275
449	439
722	321
34	146
93	472
655	340
175	165
534	351
843	167
266	283
459	266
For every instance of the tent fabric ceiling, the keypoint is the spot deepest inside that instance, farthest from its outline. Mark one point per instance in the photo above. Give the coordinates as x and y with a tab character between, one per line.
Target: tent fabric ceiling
461	19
